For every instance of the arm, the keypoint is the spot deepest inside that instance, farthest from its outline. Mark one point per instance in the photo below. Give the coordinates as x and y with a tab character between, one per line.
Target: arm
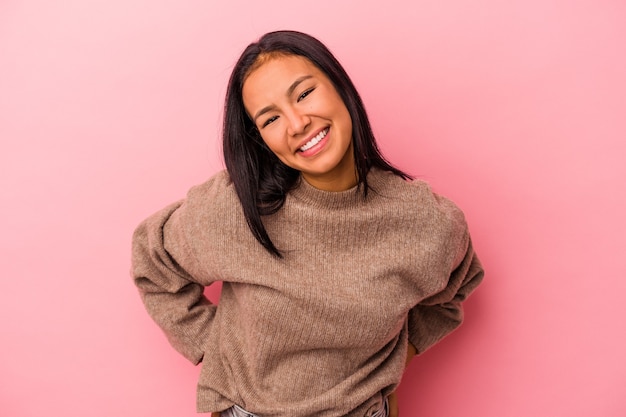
163	269
438	315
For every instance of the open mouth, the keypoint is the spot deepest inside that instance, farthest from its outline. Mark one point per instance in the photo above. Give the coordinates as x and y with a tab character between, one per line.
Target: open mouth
317	139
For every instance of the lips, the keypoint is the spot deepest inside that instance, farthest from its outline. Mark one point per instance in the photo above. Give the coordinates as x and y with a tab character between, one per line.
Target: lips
314	141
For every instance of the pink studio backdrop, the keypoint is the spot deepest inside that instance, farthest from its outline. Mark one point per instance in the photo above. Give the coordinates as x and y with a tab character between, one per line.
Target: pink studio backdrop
516	110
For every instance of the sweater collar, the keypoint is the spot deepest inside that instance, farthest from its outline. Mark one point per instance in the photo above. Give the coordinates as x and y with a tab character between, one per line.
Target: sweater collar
349	198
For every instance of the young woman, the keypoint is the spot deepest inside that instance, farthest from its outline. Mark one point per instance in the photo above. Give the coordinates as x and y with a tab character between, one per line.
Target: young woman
336	268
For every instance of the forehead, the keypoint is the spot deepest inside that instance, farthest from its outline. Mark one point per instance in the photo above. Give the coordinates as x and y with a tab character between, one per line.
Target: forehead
272	61
276	73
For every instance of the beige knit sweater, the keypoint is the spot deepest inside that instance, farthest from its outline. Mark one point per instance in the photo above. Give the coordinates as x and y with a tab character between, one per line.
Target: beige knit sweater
322	332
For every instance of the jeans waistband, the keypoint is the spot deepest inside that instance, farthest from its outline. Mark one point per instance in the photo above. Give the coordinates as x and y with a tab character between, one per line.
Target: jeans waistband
236	411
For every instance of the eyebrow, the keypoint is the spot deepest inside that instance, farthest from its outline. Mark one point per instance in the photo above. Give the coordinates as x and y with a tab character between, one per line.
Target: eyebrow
289	92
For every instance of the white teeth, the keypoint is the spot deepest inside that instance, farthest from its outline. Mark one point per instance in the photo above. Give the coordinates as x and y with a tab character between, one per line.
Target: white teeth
314	141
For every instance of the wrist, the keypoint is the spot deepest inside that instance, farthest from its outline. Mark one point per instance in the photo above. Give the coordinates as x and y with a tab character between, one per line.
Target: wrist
411	351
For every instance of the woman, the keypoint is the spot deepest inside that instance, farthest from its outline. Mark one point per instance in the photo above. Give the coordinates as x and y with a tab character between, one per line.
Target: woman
336	268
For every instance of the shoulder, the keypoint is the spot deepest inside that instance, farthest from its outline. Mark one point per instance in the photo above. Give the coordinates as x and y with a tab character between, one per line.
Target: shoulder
212	188
215	194
187	221
213	198
441	206
417	200
204	219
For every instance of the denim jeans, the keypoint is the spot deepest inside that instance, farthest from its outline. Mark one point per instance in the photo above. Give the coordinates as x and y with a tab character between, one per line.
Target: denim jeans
236	411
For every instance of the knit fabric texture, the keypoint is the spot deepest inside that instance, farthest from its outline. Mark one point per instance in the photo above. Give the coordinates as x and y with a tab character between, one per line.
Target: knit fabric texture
324	330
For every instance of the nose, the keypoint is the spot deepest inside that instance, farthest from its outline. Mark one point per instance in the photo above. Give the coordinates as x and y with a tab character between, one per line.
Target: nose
297	122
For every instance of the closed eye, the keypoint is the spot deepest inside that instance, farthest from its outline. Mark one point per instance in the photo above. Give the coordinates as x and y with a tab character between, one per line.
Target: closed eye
305	94
270	120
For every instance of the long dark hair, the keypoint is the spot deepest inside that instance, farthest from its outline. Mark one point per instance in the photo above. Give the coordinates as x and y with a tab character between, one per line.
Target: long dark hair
260	179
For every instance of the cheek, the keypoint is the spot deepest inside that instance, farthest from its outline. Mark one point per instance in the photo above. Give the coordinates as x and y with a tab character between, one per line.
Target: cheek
347	124
272	142
342	113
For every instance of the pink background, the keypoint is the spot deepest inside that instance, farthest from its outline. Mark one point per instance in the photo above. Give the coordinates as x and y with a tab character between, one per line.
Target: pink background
515	109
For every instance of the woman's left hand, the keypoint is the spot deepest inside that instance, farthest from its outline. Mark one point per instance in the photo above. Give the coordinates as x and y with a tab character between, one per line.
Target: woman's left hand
394	411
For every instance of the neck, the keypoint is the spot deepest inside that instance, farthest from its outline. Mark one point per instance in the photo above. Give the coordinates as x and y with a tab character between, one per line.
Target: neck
334	184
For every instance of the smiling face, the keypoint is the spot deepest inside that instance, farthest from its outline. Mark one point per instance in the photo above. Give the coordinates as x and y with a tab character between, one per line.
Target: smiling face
303	120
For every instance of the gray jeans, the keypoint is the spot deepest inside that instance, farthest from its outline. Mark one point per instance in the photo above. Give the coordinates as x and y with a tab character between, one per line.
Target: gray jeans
236	411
